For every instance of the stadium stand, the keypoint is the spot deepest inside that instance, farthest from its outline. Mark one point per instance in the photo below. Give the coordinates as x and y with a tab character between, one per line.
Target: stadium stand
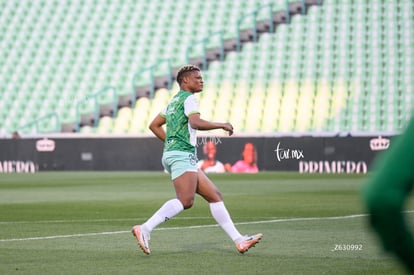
344	66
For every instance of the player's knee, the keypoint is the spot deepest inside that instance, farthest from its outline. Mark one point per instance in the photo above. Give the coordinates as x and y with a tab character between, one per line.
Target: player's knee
188	203
219	196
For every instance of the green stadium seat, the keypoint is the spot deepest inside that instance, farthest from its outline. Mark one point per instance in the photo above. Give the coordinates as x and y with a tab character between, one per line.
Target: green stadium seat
360	50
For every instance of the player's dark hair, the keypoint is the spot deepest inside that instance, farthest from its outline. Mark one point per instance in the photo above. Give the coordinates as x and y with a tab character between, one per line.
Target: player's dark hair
185	69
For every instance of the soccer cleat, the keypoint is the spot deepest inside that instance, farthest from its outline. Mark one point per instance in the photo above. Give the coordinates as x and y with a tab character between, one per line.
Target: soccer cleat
142	238
248	242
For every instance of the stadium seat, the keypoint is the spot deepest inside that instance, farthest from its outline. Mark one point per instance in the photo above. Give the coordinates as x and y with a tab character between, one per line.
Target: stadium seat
345	55
105	125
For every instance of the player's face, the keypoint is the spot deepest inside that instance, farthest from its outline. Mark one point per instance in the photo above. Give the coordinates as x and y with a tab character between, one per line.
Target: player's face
195	82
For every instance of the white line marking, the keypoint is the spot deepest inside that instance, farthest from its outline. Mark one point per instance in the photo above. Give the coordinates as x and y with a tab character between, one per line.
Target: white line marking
191	227
95	220
62	236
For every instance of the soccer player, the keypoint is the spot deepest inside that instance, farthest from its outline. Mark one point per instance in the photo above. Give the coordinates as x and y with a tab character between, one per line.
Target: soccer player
182	119
385	195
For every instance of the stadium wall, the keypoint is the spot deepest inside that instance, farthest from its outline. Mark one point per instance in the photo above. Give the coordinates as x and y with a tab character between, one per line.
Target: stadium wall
297	154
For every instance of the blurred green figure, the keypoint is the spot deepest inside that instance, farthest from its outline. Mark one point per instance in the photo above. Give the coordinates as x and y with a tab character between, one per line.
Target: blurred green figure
386	193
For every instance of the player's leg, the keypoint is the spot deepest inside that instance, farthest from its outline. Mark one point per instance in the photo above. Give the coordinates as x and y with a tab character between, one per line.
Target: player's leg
185	188
212	195
184	176
207	189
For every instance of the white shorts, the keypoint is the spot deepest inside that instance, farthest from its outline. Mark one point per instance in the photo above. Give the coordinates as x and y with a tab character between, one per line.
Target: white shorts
177	163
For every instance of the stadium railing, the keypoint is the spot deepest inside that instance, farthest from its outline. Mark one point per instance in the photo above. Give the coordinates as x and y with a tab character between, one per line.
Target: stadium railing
164	67
204	50
35	123
254	35
94	117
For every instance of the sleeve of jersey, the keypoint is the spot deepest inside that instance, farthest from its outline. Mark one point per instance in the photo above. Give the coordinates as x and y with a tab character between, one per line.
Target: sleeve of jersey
191	106
163	112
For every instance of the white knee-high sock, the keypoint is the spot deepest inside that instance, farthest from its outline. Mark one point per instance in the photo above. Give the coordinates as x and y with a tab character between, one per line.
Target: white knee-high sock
222	217
166	212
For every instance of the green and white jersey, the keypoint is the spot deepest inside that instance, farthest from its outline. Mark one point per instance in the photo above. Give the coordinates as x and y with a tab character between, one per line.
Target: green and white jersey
180	135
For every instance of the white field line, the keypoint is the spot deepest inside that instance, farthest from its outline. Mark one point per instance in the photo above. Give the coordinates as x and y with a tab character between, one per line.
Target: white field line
192	227
94	220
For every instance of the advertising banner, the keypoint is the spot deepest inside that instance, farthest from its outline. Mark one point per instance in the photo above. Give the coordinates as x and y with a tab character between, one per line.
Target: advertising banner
215	154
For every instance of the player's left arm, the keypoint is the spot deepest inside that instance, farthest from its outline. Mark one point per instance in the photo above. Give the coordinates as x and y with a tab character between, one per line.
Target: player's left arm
156	127
198	123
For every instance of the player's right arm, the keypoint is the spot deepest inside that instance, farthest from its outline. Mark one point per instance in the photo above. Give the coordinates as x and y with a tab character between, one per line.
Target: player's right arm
156	127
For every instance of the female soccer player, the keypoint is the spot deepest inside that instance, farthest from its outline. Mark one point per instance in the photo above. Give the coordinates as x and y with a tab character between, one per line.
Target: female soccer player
182	119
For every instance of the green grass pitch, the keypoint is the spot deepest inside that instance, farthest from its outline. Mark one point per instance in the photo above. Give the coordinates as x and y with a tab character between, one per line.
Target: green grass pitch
79	223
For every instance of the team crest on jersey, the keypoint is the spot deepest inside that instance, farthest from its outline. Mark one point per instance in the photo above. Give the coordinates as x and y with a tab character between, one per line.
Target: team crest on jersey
170	110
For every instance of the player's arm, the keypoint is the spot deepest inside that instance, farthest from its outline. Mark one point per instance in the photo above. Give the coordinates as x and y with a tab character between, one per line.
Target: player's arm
156	127
196	122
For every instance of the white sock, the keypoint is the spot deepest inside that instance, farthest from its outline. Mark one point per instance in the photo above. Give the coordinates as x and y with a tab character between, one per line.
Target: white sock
222	217
166	212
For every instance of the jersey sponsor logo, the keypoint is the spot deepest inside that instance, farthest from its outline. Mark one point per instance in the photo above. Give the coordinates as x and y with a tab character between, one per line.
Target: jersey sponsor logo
170	110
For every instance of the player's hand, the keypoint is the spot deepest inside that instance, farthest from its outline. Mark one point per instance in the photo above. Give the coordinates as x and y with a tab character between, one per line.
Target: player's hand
228	127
